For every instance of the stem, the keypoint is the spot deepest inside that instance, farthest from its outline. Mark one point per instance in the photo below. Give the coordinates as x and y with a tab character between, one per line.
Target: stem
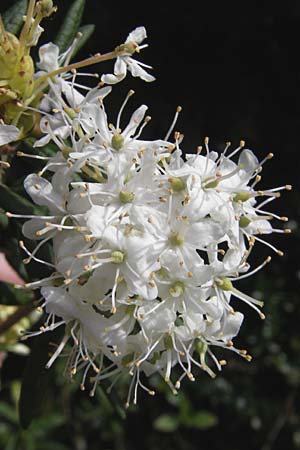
86	62
2	29
22	311
27	24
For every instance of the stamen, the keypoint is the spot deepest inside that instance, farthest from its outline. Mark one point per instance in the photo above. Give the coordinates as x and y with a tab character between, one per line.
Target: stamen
130	94
31	256
178	110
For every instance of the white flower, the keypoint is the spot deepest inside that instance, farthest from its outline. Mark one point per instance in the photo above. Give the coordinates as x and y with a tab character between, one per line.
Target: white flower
125	62
147	243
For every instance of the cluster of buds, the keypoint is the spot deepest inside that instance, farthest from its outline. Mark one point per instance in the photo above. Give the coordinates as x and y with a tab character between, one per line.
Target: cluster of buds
17	68
149	244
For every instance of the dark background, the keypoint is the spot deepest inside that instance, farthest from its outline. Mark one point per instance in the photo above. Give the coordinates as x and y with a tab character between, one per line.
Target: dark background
234	68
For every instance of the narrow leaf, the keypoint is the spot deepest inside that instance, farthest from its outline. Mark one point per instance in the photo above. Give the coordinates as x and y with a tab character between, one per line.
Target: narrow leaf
3	220
9	295
13	17
70	25
48	150
13	202
86	32
202	420
15	257
166	423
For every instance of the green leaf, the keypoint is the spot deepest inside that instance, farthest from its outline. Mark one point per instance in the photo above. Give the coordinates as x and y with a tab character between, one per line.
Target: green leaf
166	423
3	220
8	412
9	295
15	257
86	32
36	380
70	25
10	200
13	17
49	149
201	420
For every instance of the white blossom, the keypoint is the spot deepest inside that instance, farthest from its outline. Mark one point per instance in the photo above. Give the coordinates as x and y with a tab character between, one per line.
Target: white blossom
147	243
125	62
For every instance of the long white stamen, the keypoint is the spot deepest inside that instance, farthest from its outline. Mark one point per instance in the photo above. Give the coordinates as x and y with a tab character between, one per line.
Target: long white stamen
178	110
130	94
58	351
249	274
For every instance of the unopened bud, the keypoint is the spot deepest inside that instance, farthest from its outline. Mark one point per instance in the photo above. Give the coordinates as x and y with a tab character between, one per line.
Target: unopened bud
45	8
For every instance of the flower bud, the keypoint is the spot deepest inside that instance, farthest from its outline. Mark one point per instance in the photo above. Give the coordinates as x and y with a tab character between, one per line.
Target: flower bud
45	8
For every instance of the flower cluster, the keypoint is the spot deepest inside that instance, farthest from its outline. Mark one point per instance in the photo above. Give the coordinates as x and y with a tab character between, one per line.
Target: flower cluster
21	83
148	242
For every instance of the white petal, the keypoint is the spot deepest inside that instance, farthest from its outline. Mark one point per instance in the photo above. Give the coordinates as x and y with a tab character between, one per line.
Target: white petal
42	193
248	161
109	78
137	71
48	57
135	121
36	36
137	35
120	67
119	72
8	133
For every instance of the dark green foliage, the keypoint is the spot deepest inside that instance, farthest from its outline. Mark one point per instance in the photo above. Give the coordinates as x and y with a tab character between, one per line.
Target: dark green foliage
9	295
86	32
70	25
13	17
